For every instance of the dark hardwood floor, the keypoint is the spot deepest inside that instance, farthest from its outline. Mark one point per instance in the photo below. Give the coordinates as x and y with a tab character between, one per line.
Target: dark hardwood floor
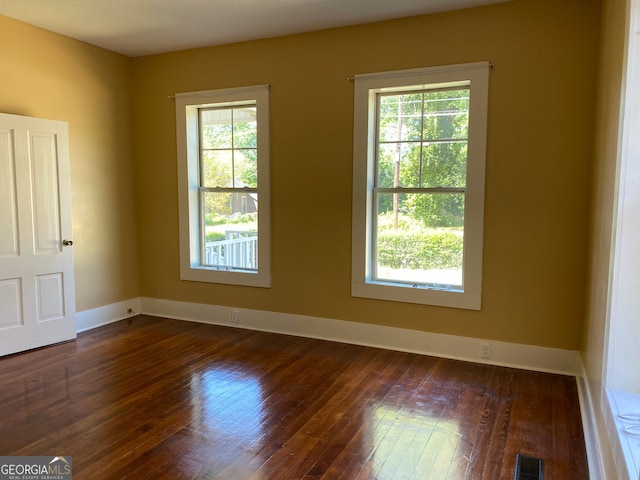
151	398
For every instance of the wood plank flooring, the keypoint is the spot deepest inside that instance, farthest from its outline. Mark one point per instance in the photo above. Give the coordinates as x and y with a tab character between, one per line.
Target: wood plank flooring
152	398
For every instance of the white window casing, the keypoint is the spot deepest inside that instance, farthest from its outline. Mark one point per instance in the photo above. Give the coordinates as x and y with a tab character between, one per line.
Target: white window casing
188	155
367	87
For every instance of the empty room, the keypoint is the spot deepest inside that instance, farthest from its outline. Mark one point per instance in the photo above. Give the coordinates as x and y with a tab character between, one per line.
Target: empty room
319	239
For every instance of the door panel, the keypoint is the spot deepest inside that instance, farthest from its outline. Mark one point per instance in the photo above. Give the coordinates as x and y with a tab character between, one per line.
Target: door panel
44	184
37	297
8	212
10	299
50	297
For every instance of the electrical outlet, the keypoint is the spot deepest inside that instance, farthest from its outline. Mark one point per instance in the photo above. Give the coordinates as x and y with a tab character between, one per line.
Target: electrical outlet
485	350
235	316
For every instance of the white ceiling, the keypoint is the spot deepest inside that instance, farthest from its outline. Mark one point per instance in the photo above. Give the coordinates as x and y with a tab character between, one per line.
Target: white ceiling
144	27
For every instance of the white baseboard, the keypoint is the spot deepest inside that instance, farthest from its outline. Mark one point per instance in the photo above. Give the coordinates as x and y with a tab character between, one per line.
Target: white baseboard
590	429
113	312
529	357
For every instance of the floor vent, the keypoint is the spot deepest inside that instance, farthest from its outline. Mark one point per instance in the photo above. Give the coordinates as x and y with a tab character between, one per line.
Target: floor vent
529	468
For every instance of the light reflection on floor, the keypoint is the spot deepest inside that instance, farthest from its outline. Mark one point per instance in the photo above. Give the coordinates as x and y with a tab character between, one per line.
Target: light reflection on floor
406	444
227	403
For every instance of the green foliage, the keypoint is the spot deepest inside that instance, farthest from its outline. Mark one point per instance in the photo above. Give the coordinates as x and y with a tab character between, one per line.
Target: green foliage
213	220
420	251
438	210
422	143
414	246
214	237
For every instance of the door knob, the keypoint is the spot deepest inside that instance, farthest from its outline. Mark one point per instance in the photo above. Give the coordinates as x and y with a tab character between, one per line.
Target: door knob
67	243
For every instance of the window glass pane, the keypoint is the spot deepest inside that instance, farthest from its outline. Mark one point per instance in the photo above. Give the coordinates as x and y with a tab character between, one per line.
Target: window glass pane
245	132
446	115
229	147
245	168
217	167
419	238
400	117
216	128
230	230
444	164
398	165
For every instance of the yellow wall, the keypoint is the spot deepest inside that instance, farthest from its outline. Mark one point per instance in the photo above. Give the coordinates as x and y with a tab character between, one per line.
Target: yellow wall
610	72
50	76
539	157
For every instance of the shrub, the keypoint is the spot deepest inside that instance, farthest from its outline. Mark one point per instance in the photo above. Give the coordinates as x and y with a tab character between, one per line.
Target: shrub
213	237
420	251
212	219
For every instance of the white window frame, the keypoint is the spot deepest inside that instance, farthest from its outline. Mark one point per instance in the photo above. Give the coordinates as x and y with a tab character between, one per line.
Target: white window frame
367	86
187	133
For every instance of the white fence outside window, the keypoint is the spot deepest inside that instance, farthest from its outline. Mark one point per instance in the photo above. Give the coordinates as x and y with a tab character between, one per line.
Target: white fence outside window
238	250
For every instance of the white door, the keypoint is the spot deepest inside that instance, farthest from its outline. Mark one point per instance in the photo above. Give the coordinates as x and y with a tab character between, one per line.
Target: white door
37	296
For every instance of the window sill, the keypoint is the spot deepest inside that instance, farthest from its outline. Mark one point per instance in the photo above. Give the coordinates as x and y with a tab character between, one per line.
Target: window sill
395	293
212	275
626	447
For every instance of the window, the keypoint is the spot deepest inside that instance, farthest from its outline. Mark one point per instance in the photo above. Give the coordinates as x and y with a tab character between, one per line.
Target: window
622	377
419	162
223	170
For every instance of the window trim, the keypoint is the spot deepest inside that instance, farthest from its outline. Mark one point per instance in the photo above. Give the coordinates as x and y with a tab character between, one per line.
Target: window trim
187	134
476	75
